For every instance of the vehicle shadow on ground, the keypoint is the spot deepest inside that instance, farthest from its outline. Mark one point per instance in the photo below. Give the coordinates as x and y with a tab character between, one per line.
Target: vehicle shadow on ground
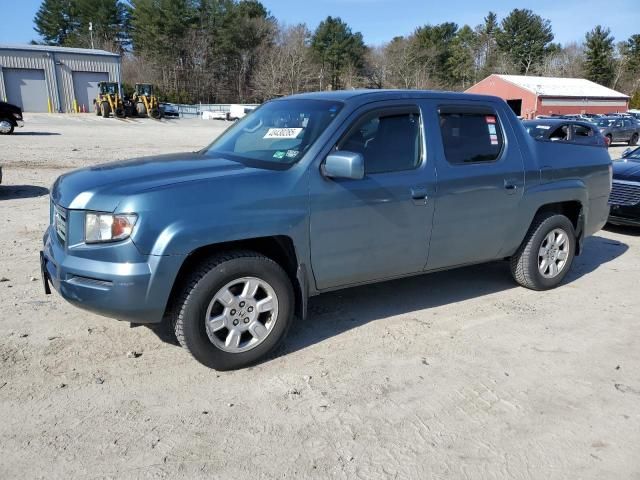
334	313
13	192
36	134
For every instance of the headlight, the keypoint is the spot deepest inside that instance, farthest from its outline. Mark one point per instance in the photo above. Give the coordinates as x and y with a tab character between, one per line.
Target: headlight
105	227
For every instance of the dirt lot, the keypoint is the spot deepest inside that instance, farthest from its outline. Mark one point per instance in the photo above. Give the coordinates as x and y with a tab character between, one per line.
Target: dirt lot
453	375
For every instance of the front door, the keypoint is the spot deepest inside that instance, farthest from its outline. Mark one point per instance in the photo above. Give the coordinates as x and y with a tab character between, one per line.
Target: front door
480	184
377	227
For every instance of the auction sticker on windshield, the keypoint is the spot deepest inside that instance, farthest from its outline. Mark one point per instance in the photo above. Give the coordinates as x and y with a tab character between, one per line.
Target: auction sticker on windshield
283	132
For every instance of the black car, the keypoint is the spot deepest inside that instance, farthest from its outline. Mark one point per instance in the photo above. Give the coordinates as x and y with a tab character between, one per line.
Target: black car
625	192
564	130
10	118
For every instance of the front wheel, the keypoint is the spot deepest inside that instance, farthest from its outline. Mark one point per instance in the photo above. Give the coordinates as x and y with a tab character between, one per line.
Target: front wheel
105	109
546	253
234	309
6	126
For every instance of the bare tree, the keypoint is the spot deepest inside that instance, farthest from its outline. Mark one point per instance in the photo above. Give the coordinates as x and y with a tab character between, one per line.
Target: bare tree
285	67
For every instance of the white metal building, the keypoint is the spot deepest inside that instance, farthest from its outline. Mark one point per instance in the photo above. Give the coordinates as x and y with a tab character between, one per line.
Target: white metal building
40	78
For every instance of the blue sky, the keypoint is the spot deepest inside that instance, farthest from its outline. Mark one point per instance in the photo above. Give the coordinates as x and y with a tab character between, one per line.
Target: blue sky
381	20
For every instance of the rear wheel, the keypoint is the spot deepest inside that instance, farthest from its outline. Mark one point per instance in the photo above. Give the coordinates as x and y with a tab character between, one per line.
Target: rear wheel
97	109
609	138
6	126
120	112
234	310
105	109
546	253
634	139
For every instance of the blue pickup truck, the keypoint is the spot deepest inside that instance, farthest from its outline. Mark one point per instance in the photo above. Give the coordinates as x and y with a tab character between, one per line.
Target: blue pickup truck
312	193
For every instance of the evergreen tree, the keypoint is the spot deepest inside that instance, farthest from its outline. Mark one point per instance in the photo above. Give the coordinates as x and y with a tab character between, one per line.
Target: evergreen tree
66	23
599	63
335	48
55	21
486	42
433	49
524	38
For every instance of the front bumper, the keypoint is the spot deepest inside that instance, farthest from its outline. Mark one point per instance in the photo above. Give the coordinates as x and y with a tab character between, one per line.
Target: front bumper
136	291
625	215
19	123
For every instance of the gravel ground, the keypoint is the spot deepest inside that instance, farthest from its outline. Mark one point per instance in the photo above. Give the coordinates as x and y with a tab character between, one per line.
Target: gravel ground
458	374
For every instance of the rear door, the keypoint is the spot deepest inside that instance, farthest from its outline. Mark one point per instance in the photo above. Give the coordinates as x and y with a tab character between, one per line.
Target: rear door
480	183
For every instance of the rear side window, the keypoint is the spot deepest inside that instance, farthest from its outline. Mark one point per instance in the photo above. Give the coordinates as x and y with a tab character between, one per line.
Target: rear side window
470	135
389	140
580	132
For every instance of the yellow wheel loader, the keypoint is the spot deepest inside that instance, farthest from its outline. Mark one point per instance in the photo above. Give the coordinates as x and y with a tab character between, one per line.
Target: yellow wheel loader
108	100
145	101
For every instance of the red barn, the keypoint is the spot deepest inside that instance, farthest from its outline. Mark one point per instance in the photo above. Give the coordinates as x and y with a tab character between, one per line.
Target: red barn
532	96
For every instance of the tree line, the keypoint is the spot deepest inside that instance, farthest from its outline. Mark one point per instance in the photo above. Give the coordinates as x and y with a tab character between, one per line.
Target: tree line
222	51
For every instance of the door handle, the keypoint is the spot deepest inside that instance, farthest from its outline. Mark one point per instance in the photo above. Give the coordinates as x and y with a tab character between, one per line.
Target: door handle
510	186
419	195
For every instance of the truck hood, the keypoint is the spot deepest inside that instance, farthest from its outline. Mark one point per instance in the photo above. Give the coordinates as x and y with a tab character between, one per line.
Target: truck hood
626	170
102	187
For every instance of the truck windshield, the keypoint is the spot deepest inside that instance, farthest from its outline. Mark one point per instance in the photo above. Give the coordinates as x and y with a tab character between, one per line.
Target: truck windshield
279	132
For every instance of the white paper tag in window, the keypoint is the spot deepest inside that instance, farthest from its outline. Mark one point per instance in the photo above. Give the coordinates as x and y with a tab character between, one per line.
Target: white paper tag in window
283	132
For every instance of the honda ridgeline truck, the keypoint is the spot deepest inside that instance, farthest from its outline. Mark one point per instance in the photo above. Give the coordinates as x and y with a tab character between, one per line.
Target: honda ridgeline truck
312	193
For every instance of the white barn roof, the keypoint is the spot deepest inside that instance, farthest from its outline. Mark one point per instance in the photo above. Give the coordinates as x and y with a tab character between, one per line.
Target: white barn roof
562	87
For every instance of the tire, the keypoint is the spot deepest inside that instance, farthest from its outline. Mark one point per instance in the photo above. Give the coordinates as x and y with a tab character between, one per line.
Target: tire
95	107
155	113
105	109
633	140
526	263
198	300
609	138
6	126
120	112
141	109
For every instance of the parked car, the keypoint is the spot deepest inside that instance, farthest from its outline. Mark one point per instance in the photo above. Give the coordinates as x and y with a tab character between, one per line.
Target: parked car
169	110
313	193
625	191
619	129
555	130
10	118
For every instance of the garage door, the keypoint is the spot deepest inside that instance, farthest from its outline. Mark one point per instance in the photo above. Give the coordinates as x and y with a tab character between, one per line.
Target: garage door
85	87
26	88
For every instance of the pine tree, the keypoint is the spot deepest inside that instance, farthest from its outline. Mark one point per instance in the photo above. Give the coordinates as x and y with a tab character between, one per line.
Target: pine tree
599	63
524	38
335	48
55	21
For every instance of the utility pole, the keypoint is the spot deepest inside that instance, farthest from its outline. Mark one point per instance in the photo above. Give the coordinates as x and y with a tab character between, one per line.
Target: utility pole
91	33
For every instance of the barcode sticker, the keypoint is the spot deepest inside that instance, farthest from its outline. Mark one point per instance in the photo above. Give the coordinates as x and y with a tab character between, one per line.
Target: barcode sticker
283	132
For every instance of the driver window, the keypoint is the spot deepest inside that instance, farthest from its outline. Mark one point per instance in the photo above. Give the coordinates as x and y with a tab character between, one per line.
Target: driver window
388	141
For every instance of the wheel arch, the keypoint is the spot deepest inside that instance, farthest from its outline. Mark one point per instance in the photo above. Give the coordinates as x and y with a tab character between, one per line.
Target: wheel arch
573	210
279	248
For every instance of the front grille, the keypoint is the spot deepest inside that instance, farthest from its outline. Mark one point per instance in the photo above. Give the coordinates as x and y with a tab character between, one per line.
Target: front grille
60	223
624	193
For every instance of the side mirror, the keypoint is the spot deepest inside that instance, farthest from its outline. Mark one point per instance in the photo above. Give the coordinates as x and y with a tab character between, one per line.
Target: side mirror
626	152
343	164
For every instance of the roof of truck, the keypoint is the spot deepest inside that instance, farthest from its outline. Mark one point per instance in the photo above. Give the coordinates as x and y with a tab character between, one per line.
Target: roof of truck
385	94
